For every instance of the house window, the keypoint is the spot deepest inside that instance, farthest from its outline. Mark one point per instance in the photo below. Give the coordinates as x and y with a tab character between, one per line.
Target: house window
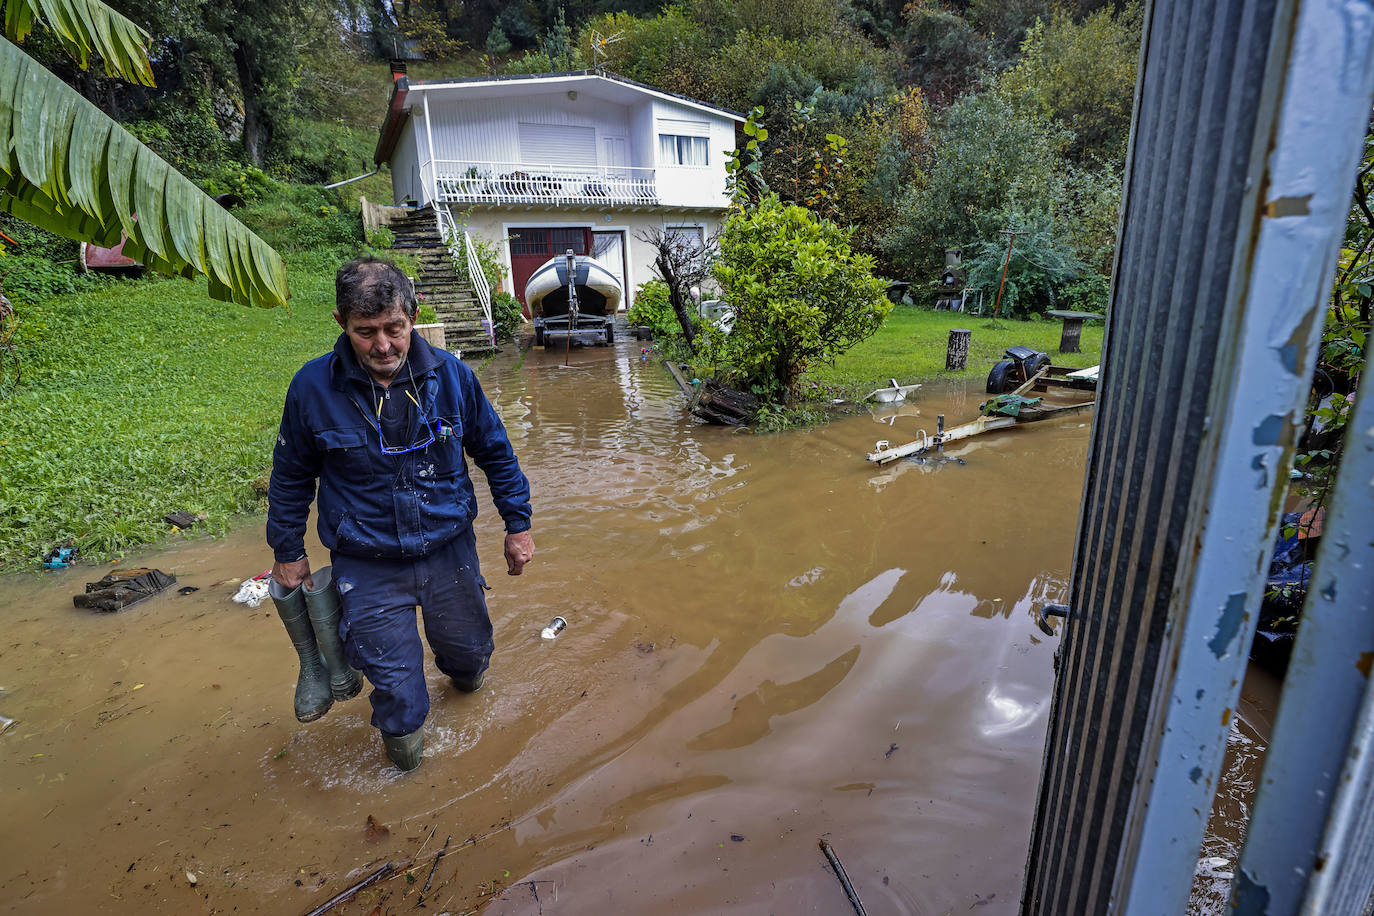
674	149
689	236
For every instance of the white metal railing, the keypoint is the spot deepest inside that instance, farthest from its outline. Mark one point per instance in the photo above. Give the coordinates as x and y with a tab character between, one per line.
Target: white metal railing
479	284
461	247
465	181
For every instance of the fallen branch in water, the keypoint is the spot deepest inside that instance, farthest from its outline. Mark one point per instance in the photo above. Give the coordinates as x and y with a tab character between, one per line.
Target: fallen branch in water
349	894
433	868
844	879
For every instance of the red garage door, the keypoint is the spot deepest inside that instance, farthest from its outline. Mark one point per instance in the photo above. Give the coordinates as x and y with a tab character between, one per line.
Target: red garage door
531	247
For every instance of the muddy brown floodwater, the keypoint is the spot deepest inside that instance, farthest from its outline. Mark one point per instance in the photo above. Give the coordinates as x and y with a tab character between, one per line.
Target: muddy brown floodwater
769	641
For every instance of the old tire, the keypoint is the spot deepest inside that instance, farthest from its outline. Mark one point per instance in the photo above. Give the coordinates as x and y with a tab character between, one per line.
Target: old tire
538	336
610	334
1002	378
1036	363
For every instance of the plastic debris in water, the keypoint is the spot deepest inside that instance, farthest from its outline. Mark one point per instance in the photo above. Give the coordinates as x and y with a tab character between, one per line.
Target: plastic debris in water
60	557
253	592
5	724
553	629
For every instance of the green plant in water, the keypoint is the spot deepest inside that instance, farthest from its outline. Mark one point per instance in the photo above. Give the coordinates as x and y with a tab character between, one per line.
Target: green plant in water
799	292
506	315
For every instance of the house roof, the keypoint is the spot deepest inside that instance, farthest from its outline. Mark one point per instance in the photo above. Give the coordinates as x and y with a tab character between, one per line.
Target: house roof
599	83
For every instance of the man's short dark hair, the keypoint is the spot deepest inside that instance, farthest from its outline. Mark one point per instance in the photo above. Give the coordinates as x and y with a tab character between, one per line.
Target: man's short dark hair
367	287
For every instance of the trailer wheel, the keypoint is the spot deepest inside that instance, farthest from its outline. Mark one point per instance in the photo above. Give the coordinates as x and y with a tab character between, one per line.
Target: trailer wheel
1035	364
538	336
1002	378
610	334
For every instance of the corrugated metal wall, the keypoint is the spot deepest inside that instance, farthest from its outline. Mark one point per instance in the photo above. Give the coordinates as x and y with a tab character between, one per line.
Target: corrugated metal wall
486	130
1200	129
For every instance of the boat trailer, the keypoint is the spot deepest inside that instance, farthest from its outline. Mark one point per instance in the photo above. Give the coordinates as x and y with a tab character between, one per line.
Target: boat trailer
1002	411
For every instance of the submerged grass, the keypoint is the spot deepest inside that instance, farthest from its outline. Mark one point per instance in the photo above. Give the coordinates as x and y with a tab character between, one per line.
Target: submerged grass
144	398
911	345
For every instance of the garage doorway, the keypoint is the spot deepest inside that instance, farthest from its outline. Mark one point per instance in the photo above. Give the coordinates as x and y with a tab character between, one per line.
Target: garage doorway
608	248
531	247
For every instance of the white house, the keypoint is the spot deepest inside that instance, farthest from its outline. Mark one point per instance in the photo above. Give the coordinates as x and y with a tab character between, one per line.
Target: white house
540	164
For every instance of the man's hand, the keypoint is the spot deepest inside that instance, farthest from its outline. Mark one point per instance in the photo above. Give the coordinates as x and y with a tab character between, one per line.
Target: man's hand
289	575
519	551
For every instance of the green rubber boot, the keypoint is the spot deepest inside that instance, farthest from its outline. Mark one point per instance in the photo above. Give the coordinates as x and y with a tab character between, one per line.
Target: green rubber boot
407	750
325	611
313	696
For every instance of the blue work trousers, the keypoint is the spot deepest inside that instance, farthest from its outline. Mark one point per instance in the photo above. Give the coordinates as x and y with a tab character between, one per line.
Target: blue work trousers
379	633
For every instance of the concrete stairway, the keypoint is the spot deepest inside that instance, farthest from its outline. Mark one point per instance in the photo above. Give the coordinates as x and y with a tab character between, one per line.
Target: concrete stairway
443	289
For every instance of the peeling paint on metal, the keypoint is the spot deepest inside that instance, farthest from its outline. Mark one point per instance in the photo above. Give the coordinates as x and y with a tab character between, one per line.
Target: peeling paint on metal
1195	774
1269	430
1365	663
1232	616
1289	206
1251	897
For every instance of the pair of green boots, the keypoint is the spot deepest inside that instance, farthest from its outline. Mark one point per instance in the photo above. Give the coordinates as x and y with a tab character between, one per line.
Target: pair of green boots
311	617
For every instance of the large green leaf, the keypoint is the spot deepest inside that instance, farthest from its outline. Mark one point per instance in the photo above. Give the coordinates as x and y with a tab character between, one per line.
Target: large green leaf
67	167
83	27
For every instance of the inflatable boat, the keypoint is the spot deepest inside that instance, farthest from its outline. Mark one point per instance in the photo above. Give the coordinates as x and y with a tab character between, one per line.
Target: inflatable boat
598	297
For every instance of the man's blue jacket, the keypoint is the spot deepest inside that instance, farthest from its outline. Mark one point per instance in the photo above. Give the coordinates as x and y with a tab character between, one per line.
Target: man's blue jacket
377	505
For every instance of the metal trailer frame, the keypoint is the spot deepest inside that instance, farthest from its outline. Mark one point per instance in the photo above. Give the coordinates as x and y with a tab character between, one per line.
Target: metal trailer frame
1247	125
885	453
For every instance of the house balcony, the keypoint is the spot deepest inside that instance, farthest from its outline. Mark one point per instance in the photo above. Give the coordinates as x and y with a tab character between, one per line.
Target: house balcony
542	184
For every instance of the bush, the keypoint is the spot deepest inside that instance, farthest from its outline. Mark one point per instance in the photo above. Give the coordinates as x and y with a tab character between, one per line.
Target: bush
488	259
506	315
297	218
27	279
1041	264
653	309
799	292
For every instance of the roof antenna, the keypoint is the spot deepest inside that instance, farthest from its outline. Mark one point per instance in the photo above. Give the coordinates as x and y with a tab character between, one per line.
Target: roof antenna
601	48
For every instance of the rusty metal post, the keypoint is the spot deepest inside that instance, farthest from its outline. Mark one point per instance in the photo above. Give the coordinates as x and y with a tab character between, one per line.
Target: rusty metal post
1011	240
956	353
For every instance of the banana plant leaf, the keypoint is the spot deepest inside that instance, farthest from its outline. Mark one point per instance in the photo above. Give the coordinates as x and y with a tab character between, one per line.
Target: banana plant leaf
84	27
67	167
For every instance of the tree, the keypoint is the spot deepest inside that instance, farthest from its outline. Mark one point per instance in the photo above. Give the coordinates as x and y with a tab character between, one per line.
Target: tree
1082	76
985	156
941	51
800	295
1041	263
683	263
67	167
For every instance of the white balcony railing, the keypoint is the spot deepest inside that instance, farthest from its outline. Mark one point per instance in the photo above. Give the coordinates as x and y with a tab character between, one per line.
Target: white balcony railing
531	183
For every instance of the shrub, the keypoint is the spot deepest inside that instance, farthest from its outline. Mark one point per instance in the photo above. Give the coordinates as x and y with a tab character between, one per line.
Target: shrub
1041	264
652	309
425	314
506	315
799	292
296	218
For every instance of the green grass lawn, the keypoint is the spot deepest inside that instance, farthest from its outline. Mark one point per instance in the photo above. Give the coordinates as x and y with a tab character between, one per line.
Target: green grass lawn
911	345
143	398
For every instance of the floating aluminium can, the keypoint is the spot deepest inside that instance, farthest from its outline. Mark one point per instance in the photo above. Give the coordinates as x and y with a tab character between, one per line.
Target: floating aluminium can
554	628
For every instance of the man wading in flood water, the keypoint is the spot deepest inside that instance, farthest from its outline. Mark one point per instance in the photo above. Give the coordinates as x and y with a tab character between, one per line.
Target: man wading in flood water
382	423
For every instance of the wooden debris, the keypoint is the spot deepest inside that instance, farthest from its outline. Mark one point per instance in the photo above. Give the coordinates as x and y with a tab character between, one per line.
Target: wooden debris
717	404
353	891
